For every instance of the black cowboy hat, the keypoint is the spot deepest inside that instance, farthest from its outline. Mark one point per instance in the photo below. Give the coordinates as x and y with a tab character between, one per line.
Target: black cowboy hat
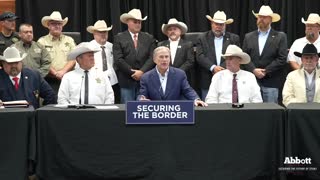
308	49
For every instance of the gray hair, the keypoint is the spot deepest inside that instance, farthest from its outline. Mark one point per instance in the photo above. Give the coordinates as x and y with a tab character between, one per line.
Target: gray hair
160	48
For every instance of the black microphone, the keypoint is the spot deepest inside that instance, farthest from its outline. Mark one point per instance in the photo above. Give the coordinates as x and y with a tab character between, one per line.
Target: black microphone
81	89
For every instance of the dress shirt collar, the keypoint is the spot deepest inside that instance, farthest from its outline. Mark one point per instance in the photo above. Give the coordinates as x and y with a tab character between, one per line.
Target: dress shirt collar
18	76
171	41
165	74
264	32
132	34
52	38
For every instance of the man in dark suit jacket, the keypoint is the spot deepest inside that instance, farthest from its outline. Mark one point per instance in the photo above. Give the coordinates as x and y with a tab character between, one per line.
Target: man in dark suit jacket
165	82
210	46
268	51
19	83
181	50
132	52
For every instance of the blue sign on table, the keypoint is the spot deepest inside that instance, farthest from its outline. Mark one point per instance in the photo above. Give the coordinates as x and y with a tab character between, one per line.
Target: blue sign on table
160	112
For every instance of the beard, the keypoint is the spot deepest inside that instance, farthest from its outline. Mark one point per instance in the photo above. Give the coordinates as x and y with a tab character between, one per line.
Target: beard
310	35
14	71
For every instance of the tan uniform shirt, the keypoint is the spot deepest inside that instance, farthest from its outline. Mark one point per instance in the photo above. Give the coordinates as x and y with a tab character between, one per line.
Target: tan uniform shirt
38	57
58	49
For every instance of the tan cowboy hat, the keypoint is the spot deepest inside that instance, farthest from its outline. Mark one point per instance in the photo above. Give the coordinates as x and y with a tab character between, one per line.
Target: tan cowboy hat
100	25
220	17
133	14
313	18
233	50
11	55
81	48
267	11
55	16
174	22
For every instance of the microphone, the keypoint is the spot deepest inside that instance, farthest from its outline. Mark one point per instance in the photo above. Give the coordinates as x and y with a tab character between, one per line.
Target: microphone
81	89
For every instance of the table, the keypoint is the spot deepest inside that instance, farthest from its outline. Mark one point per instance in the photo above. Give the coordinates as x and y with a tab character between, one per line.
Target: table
225	143
303	136
17	137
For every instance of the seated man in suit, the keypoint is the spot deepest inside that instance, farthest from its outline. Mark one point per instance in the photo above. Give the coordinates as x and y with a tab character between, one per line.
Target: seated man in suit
165	82
234	85
302	85
19	83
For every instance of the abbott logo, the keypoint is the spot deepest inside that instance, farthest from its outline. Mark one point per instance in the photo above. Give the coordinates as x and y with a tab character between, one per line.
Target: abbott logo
296	160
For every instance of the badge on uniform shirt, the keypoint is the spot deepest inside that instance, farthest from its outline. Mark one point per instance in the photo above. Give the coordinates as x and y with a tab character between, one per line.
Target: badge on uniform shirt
14	39
67	44
179	47
36	94
98	80
2	42
37	50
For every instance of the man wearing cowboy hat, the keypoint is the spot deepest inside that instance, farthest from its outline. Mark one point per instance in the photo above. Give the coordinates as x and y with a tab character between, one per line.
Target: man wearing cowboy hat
104	58
85	85
8	36
268	51
38	57
210	47
132	50
59	46
222	88
181	50
302	85
166	83
312	29
19	83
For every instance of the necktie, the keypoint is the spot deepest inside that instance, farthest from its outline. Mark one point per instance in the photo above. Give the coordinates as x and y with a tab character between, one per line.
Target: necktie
234	89
16	83
135	41
86	87
104	59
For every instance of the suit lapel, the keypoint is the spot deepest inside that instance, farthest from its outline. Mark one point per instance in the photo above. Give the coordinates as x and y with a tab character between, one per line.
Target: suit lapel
11	88
269	41
226	43
25	84
156	83
170	82
211	44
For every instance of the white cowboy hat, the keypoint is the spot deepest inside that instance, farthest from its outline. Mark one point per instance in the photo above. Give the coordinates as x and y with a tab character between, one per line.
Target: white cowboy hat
267	11
220	17
313	18
11	55
100	25
174	22
133	14
54	16
233	50
81	48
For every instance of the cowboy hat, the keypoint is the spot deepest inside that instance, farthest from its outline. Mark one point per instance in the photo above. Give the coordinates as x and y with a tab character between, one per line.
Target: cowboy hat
82	48
267	11
100	25
313	18
233	50
133	14
174	22
54	16
11	55
309	49
220	17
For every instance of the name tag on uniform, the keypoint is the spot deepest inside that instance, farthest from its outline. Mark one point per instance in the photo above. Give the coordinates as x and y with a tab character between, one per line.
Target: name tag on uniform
37	50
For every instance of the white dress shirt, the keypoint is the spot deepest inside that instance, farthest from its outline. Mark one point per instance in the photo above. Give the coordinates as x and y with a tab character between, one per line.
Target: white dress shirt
173	49
262	39
98	60
72	85
220	90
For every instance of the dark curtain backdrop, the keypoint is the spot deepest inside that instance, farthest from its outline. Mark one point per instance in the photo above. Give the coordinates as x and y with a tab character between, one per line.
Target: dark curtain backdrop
83	13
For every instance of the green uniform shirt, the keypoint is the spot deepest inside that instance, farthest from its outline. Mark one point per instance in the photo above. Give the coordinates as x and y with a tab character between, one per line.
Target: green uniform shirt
38	57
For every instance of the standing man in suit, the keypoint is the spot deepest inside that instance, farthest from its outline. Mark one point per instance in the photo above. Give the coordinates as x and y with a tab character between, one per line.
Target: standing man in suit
104	58
210	47
58	45
302	85
268	51
312	29
166	83
132	52
182	55
19	83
